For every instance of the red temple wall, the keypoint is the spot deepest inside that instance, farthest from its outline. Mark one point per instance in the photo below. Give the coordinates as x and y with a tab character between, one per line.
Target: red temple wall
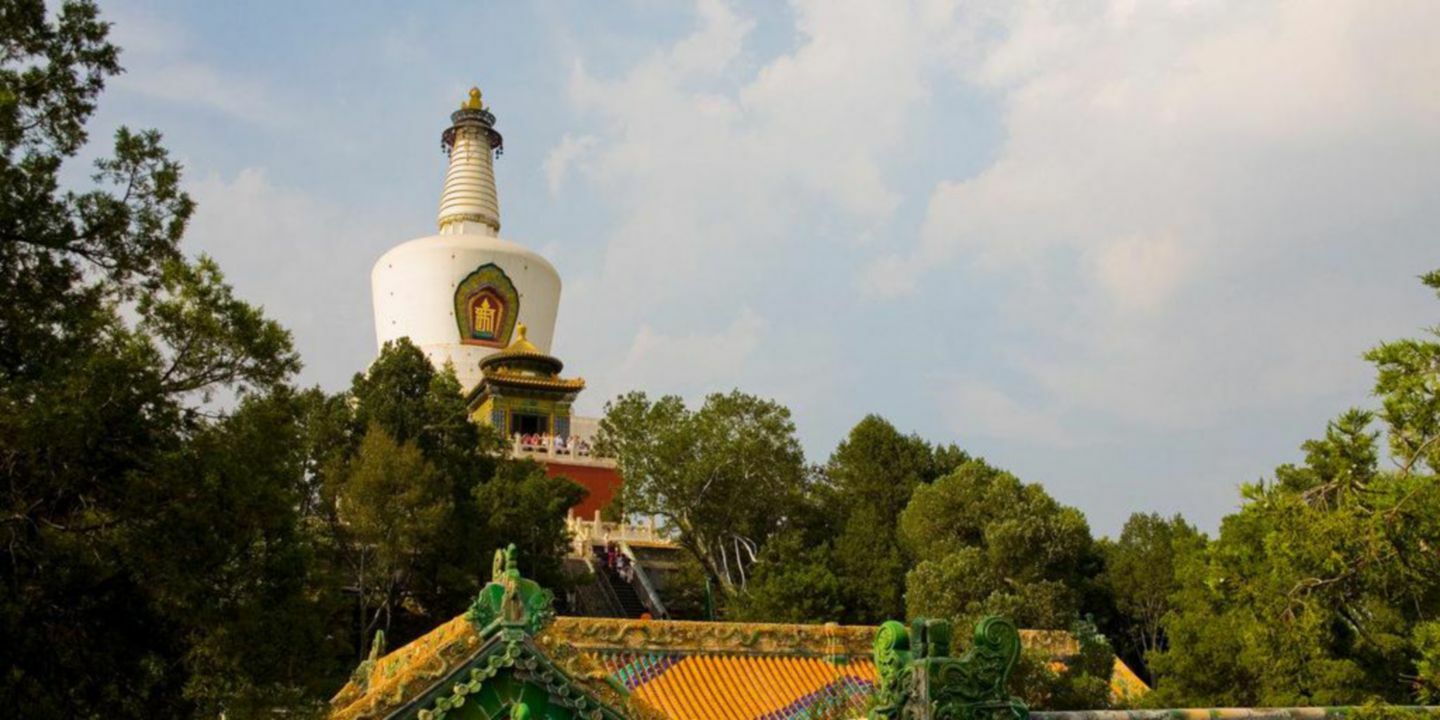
602	482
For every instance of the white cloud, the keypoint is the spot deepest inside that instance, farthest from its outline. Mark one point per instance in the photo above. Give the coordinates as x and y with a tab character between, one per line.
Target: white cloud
712	169
571	150
973	408
1170	178
1139	274
159	64
692	362
690	146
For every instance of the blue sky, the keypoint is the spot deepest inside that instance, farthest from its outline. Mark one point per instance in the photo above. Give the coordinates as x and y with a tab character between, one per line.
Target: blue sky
1132	251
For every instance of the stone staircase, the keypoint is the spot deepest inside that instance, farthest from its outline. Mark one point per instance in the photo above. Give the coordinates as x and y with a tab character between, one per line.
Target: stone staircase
624	593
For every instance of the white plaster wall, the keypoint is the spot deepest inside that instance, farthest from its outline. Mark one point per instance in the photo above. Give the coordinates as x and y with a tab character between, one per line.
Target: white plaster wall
413	287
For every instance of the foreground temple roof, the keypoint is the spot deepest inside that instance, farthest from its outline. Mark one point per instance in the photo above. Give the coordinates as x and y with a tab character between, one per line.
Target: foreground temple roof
677	669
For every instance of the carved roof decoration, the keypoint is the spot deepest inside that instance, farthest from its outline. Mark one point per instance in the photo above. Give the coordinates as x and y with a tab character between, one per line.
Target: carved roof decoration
621	635
504	378
922	679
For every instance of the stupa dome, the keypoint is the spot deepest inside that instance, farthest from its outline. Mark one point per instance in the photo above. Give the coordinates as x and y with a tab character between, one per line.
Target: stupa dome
460	294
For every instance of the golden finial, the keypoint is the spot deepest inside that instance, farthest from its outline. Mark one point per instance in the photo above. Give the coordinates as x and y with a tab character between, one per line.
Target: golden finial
520	328
474	102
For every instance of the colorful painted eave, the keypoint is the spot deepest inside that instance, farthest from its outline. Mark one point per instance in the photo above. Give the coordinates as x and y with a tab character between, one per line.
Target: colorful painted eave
503	378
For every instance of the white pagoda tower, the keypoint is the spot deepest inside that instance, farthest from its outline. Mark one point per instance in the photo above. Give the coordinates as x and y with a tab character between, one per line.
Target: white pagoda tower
460	294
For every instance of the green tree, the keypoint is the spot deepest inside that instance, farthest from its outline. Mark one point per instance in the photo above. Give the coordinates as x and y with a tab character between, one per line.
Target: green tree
986	543
722	477
1324	587
794	582
1141	576
391	504
405	396
255	612
443	485
871	477
841	537
1262	617
1405	380
154	560
524	506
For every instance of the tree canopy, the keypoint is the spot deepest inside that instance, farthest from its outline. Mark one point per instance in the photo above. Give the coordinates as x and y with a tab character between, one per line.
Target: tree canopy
838	557
154	557
1325	587
723	477
1142	576
986	543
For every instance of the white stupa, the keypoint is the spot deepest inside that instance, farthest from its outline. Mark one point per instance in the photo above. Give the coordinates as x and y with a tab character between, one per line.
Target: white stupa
460	294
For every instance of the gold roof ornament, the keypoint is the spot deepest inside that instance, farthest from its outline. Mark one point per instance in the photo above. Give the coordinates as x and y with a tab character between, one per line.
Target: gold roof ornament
521	343
523	365
474	102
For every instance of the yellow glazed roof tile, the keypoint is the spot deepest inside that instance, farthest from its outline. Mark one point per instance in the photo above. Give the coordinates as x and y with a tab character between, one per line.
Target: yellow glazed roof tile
711	686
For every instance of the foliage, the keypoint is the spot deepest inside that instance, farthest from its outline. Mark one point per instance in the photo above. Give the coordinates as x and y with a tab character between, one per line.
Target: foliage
723	477
1140	576
1426	637
1079	682
986	543
156	564
871	477
249	596
1374	710
391	504
1324	587
413	497
523	506
794	582
841	539
1405	380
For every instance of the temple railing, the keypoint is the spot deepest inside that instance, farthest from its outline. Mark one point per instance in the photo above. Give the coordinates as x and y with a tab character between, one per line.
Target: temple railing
555	449
585	534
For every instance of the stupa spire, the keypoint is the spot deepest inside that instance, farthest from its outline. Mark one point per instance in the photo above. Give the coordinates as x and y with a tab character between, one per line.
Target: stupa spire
468	203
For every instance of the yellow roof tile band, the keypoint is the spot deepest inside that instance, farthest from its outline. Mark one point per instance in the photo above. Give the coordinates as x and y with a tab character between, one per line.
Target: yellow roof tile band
731	687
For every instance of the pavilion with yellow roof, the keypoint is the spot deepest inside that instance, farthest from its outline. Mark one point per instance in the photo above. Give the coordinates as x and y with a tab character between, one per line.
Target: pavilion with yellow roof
521	391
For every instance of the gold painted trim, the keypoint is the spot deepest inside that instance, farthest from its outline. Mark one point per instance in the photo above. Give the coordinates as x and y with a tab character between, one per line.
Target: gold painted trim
611	634
452	219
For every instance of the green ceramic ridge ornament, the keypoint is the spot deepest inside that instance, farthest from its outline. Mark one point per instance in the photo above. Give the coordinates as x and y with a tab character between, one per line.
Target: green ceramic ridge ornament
919	680
509	600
